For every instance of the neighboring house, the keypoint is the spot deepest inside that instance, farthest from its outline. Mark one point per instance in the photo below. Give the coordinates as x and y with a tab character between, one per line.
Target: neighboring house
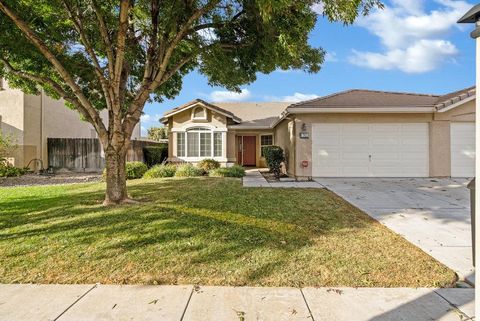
354	133
33	119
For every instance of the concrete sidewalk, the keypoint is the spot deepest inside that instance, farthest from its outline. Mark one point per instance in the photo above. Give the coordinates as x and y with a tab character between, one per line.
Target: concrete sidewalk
19	302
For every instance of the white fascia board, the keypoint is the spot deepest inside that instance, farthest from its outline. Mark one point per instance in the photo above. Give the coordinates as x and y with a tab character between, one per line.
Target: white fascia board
457	104
233	127
362	110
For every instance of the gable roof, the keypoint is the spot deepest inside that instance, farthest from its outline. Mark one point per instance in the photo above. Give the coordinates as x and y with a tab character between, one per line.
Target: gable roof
255	114
455	97
205	104
246	114
358	98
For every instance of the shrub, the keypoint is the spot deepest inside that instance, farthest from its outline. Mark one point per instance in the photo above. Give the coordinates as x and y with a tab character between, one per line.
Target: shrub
274	157
208	164
7	170
188	170
234	171
155	154
135	170
159	171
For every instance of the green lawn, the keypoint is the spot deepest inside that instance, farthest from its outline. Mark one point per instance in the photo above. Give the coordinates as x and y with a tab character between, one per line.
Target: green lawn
202	231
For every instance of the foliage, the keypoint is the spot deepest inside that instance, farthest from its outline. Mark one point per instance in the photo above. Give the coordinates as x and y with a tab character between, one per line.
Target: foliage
118	55
7	146
199	230
136	170
7	170
188	170
233	171
159	171
274	157
133	170
157	133
208	164
155	154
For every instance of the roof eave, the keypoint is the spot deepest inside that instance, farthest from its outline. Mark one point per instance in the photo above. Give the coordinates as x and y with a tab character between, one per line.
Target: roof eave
384	109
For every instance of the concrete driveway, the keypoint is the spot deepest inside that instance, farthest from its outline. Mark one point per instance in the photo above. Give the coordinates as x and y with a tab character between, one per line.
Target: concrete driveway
433	214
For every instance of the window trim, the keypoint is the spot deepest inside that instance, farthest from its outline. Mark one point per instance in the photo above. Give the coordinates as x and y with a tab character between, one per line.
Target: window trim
202	129
204	113
261	146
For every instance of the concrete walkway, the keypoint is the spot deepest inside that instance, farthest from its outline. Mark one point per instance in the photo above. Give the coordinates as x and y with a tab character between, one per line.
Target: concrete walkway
433	214
193	303
254	178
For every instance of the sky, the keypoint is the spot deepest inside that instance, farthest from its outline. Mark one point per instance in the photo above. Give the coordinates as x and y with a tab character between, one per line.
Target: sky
409	46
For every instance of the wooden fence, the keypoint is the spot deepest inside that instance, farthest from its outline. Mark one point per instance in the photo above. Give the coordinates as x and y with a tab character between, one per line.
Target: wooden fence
86	154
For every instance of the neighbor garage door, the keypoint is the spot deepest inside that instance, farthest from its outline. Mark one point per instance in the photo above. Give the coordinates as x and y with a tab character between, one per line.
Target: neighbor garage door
370	150
462	138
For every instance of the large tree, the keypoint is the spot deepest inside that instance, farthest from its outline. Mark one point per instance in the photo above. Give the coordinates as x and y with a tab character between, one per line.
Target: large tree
118	54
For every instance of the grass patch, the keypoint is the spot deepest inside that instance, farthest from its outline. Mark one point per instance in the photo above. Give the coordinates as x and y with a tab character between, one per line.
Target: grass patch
204	230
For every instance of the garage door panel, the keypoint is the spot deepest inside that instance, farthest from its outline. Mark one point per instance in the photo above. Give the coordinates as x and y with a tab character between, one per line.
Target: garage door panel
462	146
396	150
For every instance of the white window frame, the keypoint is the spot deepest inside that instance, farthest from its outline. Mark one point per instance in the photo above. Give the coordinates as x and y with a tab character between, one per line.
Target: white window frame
206	129
273	142
199	118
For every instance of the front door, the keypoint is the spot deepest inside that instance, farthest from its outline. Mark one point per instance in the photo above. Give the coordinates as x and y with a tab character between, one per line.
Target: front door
247	150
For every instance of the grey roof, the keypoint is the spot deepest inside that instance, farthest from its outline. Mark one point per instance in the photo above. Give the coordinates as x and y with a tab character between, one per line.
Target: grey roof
255	114
454	97
471	16
358	98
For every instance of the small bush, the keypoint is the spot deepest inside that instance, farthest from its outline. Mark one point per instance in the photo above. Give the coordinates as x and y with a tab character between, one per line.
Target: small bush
208	164
188	170
159	171
234	171
7	170
274	157
135	170
155	154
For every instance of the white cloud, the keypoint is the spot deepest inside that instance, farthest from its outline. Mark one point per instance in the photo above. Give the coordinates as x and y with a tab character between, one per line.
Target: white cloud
296	97
413	38
145	118
223	96
331	56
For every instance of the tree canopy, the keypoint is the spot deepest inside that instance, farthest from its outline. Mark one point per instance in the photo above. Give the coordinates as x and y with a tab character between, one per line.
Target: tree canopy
118	54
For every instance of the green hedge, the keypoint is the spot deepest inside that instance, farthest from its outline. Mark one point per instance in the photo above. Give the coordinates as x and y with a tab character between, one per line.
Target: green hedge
155	154
133	170
188	170
234	171
159	171
208	164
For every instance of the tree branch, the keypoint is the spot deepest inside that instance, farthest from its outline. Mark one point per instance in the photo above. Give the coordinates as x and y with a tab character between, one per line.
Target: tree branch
105	37
77	22
45	80
120	49
45	51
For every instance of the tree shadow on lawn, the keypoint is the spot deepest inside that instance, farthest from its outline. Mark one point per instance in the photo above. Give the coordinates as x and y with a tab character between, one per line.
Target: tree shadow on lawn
182	229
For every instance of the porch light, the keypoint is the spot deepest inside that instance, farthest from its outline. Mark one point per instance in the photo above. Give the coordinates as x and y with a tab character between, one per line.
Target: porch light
473	16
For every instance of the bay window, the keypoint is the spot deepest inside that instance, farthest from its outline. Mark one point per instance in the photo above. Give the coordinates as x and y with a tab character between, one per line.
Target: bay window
200	142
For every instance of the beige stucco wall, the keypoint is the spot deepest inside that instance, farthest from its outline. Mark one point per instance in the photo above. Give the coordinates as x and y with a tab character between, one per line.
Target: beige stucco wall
12	112
439	134
285	138
32	119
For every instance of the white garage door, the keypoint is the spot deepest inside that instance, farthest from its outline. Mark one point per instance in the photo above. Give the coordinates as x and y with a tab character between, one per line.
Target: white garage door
370	150
462	138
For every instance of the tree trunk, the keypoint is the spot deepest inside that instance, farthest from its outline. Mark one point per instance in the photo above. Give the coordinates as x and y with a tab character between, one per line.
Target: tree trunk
116	192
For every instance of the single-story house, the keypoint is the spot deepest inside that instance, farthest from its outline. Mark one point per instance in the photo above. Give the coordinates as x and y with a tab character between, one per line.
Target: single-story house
353	133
